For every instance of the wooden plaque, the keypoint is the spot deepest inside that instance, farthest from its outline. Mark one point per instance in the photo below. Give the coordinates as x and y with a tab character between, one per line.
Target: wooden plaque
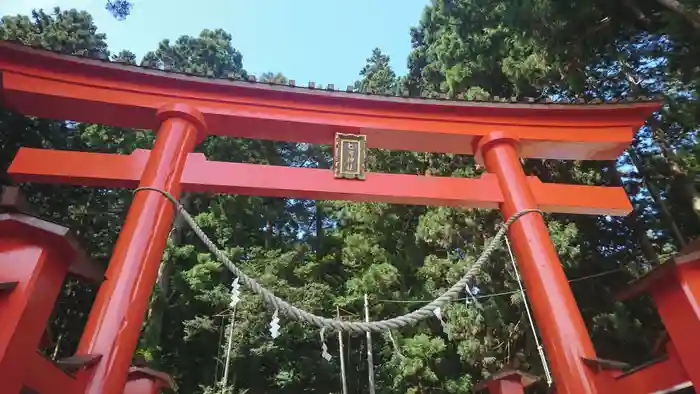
350	155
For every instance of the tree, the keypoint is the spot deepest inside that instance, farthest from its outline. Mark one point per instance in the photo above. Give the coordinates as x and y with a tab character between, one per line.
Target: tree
477	49
71	32
377	75
125	56
120	9
211	54
273	78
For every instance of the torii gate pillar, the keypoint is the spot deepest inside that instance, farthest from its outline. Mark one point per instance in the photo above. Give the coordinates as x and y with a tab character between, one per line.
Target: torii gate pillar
114	325
564	334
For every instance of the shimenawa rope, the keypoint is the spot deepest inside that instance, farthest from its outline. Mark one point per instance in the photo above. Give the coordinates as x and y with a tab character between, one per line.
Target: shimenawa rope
338	325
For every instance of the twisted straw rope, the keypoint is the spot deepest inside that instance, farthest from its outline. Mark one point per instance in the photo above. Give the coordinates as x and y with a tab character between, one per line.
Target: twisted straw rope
338	325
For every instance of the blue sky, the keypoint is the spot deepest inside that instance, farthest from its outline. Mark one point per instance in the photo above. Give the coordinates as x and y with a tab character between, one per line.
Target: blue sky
326	41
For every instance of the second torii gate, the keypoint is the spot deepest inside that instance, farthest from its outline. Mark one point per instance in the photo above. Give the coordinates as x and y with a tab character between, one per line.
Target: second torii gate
183	110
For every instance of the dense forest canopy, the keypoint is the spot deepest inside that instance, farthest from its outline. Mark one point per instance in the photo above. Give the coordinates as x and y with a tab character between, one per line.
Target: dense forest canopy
324	256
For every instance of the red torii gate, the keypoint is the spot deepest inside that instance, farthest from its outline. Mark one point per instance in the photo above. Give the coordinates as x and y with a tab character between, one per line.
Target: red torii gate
183	110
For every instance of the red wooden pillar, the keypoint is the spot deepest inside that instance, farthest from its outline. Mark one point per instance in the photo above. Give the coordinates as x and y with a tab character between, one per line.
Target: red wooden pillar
564	334
35	256
114	325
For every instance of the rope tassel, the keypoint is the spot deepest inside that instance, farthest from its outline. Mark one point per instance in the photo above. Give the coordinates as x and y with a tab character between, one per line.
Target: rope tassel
235	293
275	325
324	347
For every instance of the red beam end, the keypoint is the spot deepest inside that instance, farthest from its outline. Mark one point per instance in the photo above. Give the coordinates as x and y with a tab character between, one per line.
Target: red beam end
45	377
655	377
78	168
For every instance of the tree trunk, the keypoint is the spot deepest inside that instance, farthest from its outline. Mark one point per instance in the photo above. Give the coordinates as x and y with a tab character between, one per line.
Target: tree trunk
319	230
638	13
636	225
319	213
656	196
686	185
159	300
676	7
269	234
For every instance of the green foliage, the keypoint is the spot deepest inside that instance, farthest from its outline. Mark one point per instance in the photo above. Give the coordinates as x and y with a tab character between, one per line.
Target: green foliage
71	32
323	256
377	76
211	54
120	9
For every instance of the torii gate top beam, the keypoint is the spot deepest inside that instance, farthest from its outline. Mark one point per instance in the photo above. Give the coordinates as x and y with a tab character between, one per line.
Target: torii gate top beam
41	83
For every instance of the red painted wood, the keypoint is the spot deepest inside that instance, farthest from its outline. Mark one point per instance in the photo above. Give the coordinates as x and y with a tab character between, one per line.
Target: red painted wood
677	299
200	175
505	386
46	84
652	378
675	289
507	381
142	386
46	378
36	260
147	381
564	335
114	325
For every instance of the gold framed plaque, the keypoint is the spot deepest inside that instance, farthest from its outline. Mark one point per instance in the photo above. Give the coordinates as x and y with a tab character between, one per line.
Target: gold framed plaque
350	155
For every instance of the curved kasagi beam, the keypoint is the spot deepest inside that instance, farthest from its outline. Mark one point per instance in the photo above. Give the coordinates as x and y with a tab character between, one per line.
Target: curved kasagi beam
46	84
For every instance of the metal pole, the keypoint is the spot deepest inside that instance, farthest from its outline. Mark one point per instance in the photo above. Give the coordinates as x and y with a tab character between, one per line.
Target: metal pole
370	359
342	358
224	380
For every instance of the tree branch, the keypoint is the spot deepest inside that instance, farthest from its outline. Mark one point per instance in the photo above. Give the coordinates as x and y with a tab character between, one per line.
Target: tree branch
638	13
675	6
